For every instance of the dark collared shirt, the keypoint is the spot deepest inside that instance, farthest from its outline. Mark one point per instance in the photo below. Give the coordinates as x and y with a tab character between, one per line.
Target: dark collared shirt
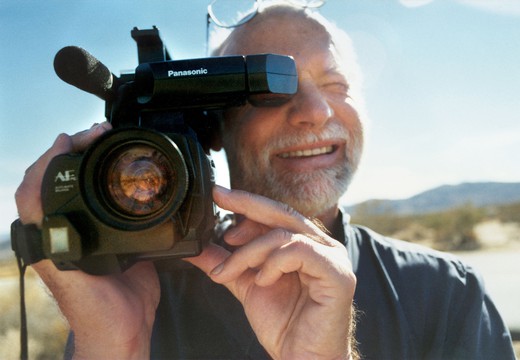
414	303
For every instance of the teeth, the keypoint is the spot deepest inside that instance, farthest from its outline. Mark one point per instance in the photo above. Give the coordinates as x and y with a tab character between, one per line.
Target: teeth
308	152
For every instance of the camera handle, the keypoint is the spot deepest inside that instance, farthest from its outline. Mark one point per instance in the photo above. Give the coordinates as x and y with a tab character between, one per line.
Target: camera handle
150	47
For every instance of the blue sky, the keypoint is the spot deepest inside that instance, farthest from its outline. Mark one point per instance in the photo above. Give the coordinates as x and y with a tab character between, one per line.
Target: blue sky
441	83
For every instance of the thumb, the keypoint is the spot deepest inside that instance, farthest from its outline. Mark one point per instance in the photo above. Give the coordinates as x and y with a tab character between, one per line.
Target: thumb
211	256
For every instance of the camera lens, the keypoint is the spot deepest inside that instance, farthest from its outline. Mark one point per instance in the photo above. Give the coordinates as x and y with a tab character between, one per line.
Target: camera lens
134	179
139	179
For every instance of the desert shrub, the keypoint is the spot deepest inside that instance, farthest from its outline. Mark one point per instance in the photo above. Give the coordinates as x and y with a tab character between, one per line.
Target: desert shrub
447	230
454	228
374	216
508	212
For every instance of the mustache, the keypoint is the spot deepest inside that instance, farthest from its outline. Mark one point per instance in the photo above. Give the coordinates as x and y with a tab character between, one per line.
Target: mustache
333	131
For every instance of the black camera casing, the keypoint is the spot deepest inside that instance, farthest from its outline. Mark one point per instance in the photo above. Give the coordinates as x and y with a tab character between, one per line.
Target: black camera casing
164	115
81	229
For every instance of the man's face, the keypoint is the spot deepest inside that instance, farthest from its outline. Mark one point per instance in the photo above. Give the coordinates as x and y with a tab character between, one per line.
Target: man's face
304	152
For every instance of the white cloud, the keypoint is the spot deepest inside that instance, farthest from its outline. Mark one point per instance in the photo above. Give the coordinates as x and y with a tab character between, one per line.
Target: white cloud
503	7
414	3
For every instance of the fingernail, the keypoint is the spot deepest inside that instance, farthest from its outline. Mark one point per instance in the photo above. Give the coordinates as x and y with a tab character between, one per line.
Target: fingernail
222	189
217	270
232	232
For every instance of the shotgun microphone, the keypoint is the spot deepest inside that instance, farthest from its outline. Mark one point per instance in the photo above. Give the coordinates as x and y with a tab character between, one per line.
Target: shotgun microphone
76	66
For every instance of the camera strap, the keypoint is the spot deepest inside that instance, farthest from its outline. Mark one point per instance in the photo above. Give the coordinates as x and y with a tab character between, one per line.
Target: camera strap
26	242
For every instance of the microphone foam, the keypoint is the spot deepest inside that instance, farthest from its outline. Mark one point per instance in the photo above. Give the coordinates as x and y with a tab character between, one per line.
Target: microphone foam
76	66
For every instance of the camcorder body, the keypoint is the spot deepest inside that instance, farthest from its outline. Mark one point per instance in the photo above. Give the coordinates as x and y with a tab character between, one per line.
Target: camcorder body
142	191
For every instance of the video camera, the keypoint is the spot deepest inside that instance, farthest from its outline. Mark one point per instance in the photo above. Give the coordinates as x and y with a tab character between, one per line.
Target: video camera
143	190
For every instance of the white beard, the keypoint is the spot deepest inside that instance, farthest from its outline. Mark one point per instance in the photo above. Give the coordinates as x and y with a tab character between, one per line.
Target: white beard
311	193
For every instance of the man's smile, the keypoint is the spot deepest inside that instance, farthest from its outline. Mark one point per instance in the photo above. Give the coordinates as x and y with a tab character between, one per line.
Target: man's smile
307	152
310	157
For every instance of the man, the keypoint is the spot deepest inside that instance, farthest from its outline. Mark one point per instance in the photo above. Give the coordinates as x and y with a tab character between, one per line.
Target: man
281	286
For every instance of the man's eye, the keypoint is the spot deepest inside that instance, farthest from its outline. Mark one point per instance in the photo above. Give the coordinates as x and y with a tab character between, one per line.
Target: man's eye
337	88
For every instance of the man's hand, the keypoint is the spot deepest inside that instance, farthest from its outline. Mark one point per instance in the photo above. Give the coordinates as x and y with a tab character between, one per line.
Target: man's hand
111	316
295	282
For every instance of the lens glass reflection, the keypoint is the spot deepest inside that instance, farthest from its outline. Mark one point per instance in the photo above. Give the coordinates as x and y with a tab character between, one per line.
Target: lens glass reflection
140	180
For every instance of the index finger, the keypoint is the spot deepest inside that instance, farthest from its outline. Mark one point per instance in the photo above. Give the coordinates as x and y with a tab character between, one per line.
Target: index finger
264	210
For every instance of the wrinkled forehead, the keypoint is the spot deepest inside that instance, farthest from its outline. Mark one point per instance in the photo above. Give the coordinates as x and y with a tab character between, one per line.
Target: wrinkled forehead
279	29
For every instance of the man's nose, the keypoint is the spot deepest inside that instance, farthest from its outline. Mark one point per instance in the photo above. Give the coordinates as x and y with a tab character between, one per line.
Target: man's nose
309	107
